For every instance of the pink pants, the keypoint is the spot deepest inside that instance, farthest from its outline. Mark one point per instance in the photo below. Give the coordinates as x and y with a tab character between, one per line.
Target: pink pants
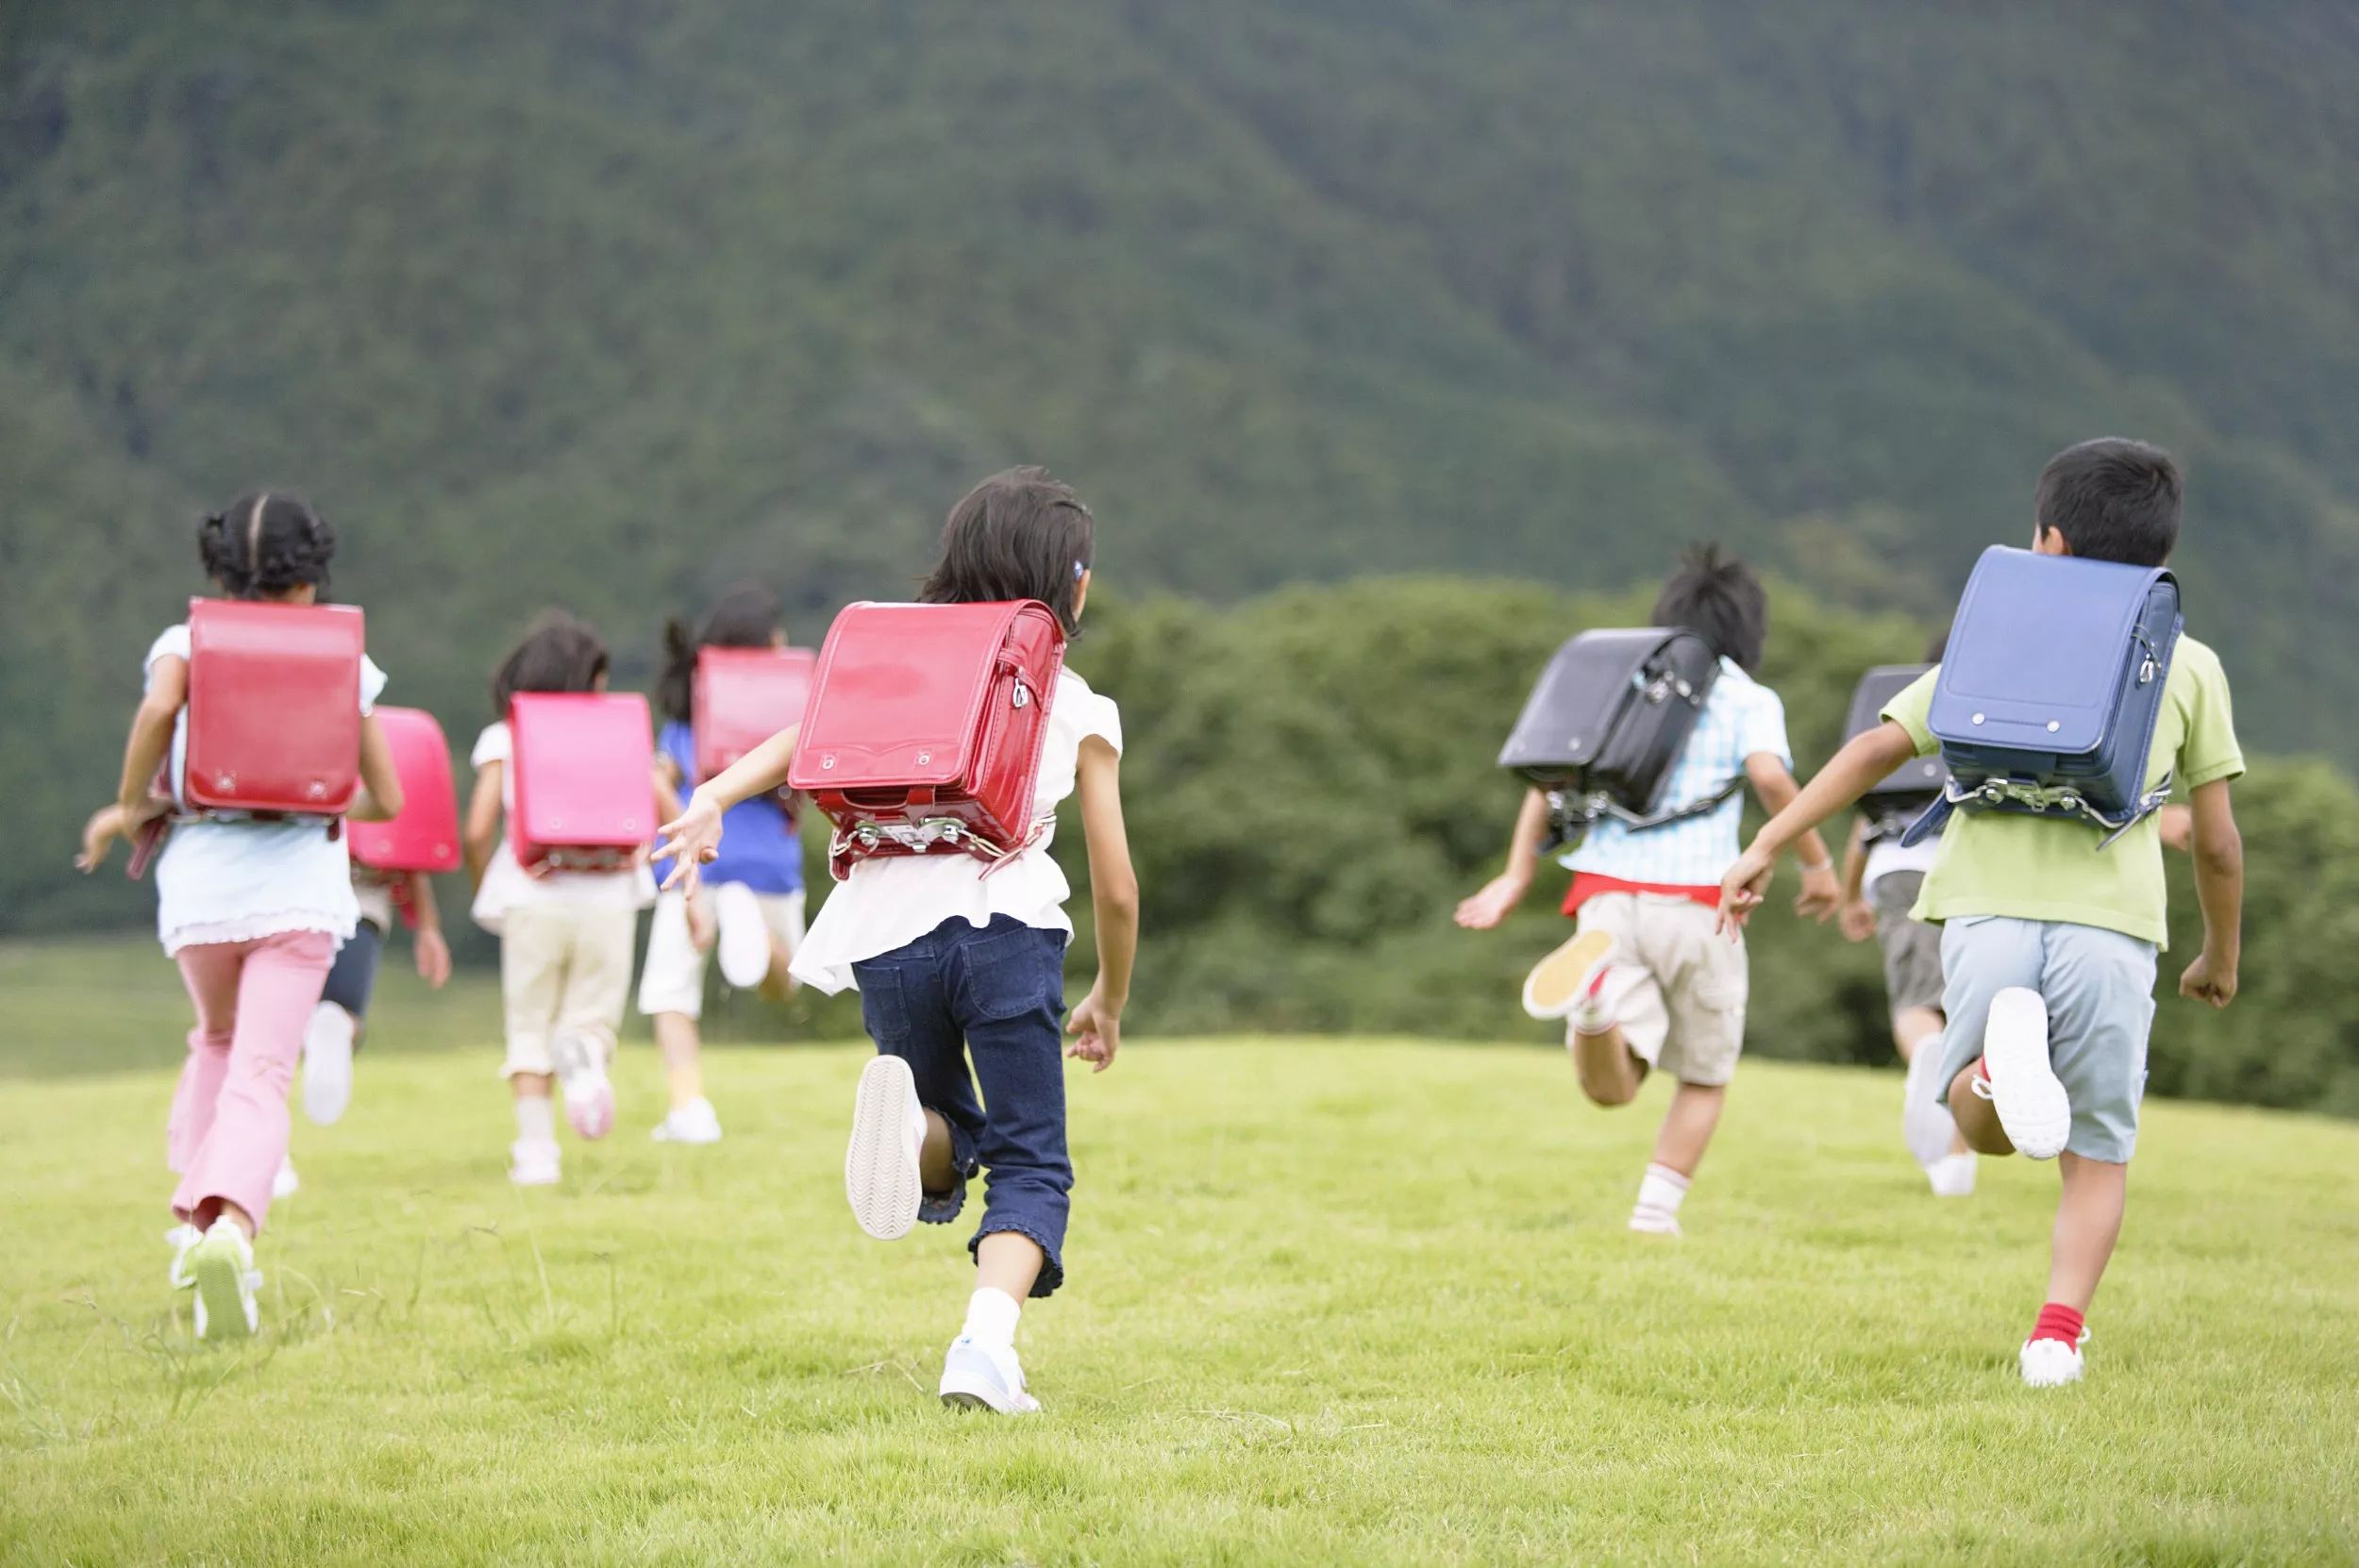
227	1135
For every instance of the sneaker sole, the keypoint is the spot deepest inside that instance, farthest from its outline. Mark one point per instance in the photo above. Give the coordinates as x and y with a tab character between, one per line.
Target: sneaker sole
2031	1100
881	1176
221	1303
589	1111
327	1081
1554	986
975	1399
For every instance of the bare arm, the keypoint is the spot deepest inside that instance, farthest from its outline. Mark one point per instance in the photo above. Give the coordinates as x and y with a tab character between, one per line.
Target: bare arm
690	839
1855	862
1820	896
482	835
2219	887
1097	1023
1497	897
428	945
379	799
1855	770
151	739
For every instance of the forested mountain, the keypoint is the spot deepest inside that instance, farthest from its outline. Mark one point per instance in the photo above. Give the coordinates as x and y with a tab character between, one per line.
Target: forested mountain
608	302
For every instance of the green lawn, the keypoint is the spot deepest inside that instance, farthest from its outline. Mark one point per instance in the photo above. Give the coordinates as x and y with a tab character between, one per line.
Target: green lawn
1338	1302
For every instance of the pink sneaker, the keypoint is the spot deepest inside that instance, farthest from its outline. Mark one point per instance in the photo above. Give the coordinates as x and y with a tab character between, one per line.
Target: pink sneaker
582	1075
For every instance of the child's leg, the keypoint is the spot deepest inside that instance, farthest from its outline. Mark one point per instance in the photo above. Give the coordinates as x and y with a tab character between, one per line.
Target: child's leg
1981	956
670	991
533	976
333	1032
2088	1221
1689	1126
592	996
278	985
1010	1001
209	971
785	914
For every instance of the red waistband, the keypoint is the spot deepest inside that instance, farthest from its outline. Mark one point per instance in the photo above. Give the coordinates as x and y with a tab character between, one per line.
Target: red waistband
1588	885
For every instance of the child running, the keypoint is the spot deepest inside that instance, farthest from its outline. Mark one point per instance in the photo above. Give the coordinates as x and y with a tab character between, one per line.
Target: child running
565	936
1644	982
958	969
750	899
2049	943
251	910
1880	880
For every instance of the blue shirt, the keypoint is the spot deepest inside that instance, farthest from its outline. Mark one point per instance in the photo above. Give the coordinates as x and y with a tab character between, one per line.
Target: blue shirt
758	845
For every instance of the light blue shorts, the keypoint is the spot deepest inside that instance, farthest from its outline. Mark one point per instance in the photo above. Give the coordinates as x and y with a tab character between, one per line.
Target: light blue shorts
2100	988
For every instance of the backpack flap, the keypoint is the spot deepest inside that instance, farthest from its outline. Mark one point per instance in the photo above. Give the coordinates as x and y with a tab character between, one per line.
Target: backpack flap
926	728
2047	701
274	708
740	697
1919	778
584	779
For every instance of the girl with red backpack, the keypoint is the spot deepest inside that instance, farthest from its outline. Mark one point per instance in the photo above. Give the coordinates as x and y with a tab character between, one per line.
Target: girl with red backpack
959	962
252	903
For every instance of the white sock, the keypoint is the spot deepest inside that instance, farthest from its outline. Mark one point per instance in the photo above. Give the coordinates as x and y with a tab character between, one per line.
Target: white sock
1660	1192
536	1120
991	1316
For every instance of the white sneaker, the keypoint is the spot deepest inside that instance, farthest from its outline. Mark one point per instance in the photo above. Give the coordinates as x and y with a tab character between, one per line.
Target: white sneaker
582	1075
2022	1086
1648	1223
286	1184
880	1163
693	1123
182	1240
983	1377
535	1164
745	940
1952	1176
1556	982
327	1063
2052	1364
221	1267
1926	1126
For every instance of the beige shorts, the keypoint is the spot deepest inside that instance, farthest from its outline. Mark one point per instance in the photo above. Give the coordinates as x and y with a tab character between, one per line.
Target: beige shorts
674	977
1678	987
564	970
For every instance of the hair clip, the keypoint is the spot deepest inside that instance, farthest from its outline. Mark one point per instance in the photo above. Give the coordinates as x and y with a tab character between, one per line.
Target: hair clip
1081	570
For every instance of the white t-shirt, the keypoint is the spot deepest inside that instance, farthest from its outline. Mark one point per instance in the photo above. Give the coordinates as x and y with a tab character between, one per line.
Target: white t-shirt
1885	857
240	880
507	884
892	900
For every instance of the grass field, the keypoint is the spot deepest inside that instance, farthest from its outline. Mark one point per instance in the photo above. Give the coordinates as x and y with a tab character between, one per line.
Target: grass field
1330	1302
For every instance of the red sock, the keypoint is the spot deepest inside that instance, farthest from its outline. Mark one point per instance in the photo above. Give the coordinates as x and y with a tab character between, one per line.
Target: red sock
2058	1322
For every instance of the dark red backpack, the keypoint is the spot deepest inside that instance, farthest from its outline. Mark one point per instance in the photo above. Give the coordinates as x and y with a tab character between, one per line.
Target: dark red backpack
926	725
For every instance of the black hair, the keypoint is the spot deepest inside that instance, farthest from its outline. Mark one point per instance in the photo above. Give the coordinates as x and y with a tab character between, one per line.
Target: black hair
746	617
1938	649
555	653
2112	500
1018	535
1716	596
266	542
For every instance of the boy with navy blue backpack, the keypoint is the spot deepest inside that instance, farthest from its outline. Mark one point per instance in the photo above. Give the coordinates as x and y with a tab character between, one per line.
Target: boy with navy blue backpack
2051	933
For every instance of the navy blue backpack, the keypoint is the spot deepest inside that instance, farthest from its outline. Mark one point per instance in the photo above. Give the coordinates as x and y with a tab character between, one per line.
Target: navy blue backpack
2047	703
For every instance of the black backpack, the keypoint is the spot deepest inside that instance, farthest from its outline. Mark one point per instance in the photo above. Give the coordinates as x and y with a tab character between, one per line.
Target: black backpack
1606	723
1901	799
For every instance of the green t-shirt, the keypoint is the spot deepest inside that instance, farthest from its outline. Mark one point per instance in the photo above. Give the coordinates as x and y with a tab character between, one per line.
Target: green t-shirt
2027	868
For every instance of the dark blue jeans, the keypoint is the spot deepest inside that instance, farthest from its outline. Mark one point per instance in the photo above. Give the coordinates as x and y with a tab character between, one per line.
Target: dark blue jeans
994	995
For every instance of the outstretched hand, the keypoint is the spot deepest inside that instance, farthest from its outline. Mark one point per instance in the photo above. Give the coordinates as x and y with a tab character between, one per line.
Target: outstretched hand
1492	903
1743	890
1858	920
690	840
1821	894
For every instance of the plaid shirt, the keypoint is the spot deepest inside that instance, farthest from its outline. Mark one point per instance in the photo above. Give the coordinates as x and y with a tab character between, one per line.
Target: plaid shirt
1741	718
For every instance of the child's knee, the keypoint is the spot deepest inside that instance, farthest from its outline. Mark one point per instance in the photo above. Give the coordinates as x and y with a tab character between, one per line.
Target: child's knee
1608	1088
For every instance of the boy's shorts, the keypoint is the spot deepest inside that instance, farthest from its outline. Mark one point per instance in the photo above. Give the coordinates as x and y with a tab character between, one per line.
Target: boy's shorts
1677	988
673	978
2100	988
1912	948
352	979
